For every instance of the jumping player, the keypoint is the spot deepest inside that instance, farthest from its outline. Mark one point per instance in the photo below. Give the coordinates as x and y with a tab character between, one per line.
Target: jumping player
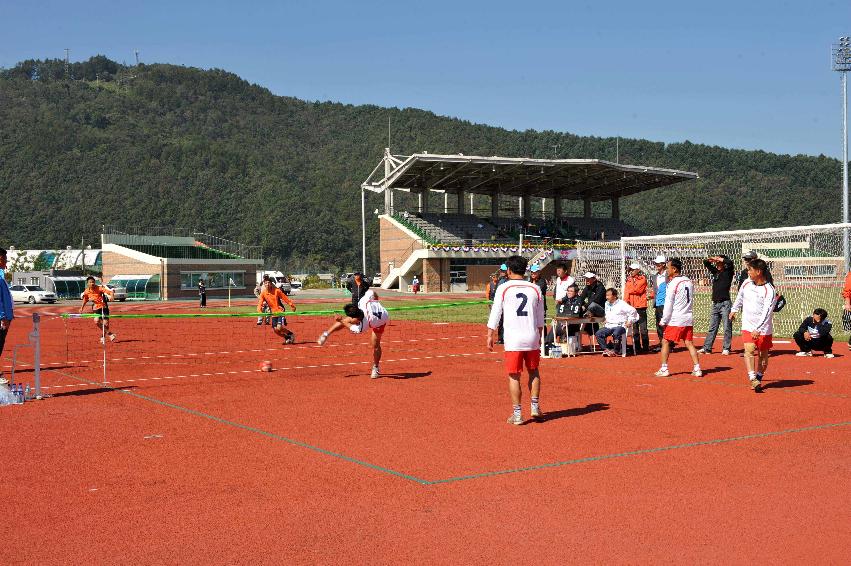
95	293
369	313
756	300
275	299
520	306
678	317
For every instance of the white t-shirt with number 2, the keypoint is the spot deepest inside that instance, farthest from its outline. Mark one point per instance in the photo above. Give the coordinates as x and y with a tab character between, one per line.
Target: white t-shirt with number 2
520	305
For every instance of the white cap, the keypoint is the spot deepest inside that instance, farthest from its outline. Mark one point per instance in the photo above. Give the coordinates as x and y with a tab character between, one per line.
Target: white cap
635	265
660	259
590	275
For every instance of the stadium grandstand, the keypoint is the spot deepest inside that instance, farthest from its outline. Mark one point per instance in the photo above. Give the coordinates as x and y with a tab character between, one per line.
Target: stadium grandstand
62	272
451	219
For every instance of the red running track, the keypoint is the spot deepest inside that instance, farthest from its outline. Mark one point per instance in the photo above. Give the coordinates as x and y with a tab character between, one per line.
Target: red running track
319	464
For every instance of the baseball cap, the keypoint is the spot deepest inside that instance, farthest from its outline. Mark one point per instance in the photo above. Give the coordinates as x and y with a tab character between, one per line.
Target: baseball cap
590	275
635	265
535	268
751	255
503	267
660	259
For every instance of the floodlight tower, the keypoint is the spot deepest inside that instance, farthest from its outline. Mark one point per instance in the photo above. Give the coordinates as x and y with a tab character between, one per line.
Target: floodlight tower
841	62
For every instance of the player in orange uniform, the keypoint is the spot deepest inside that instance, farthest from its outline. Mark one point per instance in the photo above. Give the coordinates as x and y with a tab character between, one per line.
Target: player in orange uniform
275	299
95	293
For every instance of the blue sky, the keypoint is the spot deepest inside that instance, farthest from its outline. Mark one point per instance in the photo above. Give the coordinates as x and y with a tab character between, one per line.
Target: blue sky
747	74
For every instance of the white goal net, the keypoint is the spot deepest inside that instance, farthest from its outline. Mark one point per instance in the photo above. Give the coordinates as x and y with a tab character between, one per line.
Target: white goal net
808	264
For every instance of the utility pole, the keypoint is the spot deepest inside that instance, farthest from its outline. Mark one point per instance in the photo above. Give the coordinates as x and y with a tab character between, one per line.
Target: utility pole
67	64
136	52
841	63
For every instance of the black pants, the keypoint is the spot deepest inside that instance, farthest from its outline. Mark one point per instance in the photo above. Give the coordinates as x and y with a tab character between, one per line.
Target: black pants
659	328
3	333
203	299
822	343
640	336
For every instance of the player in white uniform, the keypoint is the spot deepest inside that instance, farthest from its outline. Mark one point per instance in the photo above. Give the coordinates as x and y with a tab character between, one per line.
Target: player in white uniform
368	314
756	300
678	317
520	304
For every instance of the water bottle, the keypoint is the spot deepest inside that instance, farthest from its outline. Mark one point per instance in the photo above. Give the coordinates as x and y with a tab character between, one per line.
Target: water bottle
19	394
28	393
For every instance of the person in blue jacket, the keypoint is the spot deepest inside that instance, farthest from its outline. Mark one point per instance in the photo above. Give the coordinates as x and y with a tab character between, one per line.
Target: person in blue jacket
6	308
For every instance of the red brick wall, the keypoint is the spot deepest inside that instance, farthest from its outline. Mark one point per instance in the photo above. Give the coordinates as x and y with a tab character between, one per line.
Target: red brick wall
478	276
395	245
435	275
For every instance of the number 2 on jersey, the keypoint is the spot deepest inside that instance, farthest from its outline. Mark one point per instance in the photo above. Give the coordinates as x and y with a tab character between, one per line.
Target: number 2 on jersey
523	300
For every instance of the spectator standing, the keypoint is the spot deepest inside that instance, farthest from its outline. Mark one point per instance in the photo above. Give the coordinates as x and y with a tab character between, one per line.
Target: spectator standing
814	334
635	294
846	314
415	285
490	289
357	286
563	281
619	316
658	286
7	309
202	293
743	275
535	277
720	269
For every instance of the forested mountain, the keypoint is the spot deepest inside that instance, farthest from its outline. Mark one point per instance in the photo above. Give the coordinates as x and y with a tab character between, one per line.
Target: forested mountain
162	145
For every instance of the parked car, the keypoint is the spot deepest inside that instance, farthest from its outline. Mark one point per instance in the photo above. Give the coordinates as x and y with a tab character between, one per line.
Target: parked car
376	281
119	293
31	294
296	285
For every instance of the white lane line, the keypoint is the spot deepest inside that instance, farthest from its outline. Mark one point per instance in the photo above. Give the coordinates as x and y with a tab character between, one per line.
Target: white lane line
278	369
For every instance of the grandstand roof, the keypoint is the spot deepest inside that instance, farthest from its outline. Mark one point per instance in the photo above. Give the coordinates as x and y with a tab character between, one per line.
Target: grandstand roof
516	176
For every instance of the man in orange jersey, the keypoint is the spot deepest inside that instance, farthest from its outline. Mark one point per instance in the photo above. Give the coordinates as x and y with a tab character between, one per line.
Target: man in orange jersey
635	295
97	295
275	299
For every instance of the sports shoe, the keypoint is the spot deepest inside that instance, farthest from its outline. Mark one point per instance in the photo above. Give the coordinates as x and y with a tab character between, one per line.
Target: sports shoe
259	321
101	339
829	355
290	339
756	385
375	373
697	373
725	353
322	338
703	351
515	419
112	337
662	373
609	353
537	413
804	354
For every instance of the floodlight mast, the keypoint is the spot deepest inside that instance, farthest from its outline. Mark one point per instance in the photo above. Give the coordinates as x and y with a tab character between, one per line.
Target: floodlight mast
841	63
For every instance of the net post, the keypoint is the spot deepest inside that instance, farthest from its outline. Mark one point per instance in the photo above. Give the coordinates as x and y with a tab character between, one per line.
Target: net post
35	338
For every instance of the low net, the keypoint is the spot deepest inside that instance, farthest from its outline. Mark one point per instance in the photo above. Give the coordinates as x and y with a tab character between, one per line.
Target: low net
152	346
807	262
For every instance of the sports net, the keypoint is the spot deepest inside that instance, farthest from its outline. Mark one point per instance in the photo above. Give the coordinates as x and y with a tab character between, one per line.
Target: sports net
153	346
807	263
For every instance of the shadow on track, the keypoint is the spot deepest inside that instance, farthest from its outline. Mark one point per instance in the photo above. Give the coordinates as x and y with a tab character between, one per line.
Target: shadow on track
782	383
575	412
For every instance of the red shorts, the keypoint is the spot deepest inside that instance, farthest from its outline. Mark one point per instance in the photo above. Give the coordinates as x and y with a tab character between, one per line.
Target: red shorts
677	333
763	342
514	360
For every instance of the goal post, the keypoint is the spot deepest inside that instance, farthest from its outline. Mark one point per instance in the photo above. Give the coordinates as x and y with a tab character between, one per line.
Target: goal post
808	264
